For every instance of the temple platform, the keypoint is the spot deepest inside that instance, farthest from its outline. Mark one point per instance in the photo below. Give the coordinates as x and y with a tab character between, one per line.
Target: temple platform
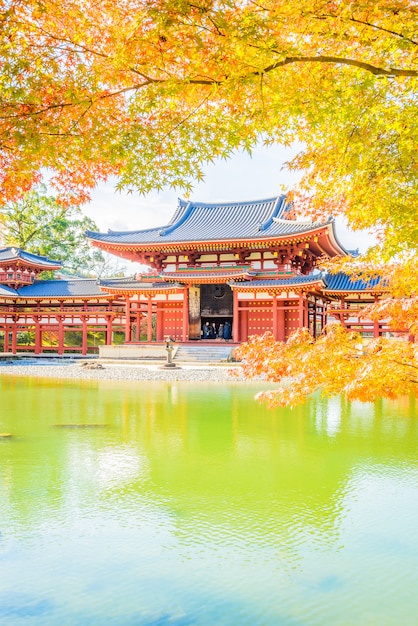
184	352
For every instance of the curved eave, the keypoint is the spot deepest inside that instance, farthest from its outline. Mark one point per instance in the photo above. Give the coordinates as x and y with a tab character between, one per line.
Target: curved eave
373	291
19	262
20	257
71	298
330	245
334	241
42	268
7	292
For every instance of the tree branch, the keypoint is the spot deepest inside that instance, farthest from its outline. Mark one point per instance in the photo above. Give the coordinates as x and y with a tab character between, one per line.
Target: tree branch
384	30
377	71
368	67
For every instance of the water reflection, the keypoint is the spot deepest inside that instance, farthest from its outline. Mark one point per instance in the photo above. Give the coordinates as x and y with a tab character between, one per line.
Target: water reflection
203	498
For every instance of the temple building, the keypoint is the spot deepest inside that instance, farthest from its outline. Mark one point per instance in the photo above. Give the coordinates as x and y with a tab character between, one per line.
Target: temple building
53	315
216	272
246	267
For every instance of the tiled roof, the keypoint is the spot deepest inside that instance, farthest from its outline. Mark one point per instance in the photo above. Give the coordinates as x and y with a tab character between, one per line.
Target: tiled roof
207	272
74	288
7	291
12	254
281	282
198	221
342	282
131	284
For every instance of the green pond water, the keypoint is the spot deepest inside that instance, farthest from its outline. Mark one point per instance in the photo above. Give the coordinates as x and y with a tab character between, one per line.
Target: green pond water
179	504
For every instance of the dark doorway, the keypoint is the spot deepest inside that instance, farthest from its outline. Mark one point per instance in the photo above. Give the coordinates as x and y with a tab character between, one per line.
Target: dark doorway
216	311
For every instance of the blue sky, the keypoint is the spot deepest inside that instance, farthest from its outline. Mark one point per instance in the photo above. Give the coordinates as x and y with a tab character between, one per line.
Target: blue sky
243	177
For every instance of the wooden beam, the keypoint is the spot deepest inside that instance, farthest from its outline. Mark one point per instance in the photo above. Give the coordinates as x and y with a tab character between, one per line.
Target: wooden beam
149	319
275	318
60	334
38	336
235	319
84	336
128	320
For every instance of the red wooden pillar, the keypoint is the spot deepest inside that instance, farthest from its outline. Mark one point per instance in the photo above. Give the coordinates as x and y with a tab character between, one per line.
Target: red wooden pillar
84	335
275	318
14	337
38	336
301	311
6	339
324	315
128	321
235	320
138	322
60	335
376	325
281	325
185	314
149	319
109	331
160	324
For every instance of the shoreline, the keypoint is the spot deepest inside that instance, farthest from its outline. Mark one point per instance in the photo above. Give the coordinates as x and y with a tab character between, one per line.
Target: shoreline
125	372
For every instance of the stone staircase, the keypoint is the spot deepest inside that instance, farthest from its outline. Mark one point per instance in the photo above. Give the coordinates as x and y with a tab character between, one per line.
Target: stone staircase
203	353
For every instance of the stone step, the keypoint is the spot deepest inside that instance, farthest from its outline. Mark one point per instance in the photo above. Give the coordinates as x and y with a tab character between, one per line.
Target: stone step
199	353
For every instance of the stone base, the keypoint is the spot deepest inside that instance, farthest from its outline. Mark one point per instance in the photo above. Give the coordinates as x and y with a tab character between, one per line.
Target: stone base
169	366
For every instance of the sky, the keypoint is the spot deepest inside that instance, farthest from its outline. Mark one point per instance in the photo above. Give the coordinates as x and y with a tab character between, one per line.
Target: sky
243	177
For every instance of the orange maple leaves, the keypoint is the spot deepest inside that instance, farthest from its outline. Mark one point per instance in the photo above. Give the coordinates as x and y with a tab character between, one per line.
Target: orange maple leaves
90	90
337	362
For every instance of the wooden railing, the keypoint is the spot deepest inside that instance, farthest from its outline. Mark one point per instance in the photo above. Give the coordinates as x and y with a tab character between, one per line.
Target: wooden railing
13	277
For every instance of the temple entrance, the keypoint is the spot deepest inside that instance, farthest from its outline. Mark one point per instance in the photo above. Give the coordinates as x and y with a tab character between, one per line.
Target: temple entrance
216	312
210	312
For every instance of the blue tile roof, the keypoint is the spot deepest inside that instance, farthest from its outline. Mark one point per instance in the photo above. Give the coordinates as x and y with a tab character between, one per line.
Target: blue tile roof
7	291
198	221
132	284
208	272
74	288
280	282
343	282
12	254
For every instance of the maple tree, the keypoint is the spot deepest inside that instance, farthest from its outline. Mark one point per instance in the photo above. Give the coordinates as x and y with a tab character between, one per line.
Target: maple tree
40	224
150	91
338	362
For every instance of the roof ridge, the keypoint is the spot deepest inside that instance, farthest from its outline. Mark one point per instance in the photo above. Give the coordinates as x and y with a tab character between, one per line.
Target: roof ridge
217	205
166	230
278	209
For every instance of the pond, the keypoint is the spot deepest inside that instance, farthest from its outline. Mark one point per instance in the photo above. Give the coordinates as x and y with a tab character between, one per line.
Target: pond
177	504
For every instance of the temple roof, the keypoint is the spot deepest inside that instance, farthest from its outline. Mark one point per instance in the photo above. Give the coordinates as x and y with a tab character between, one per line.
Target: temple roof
198	221
343	283
74	288
209	274
7	291
12	254
291	281
133	285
